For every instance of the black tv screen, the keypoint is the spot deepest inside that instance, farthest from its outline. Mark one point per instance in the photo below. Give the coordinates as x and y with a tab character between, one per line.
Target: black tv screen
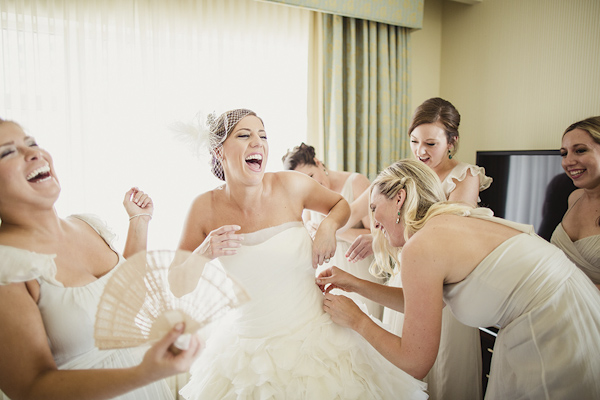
529	186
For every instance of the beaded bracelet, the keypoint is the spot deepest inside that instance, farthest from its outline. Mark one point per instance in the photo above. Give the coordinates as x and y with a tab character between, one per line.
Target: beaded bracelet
139	215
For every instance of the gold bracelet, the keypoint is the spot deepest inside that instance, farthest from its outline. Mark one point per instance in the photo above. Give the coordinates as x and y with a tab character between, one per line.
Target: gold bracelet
139	215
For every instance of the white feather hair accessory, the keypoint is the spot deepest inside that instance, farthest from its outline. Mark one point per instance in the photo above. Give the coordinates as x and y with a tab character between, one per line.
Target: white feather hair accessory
195	133
152	291
209	132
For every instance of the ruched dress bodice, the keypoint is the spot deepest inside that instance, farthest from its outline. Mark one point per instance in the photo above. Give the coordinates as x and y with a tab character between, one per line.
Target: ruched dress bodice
268	287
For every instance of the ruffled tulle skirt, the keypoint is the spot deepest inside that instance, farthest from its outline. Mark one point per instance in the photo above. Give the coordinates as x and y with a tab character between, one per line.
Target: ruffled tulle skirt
317	360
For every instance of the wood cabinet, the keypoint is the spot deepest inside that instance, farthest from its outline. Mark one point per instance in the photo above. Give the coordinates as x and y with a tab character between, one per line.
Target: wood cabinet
488	338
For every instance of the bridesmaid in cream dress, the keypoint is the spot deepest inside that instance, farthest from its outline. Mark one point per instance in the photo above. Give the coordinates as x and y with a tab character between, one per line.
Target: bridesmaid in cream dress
350	185
456	373
488	271
433	133
578	235
52	274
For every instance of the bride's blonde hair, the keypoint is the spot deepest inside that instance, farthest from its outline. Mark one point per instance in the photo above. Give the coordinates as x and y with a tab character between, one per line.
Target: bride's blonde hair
425	199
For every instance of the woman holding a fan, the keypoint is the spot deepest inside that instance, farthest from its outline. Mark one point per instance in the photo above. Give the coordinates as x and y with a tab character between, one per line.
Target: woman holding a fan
52	274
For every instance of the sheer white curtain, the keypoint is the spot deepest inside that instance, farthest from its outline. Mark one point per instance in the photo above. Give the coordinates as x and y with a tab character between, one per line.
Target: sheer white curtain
99	84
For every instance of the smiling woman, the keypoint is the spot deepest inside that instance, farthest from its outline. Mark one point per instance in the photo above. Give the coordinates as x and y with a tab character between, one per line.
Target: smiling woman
280	344
52	273
578	235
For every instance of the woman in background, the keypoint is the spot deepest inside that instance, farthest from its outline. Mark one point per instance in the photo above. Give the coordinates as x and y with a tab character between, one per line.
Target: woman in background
488	271
281	344
434	137
433	133
578	235
350	185
52	274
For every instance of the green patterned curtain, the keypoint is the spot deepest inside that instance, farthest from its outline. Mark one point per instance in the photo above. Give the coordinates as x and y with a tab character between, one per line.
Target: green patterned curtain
366	94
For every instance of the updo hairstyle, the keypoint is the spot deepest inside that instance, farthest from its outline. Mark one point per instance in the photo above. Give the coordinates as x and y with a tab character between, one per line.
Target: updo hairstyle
439	110
298	156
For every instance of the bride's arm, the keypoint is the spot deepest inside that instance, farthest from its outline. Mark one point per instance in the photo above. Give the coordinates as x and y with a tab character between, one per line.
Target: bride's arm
314	196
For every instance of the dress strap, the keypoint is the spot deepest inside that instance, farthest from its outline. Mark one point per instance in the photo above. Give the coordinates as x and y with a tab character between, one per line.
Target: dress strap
573	206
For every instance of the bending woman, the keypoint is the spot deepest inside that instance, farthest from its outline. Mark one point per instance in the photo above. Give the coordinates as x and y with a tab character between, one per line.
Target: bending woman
281	344
489	271
434	138
52	274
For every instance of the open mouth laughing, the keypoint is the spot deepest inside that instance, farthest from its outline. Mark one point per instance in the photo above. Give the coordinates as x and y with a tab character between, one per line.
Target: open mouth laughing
255	161
40	174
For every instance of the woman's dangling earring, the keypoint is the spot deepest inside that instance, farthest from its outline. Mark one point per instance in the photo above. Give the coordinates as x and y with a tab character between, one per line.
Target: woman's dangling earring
398	218
449	154
326	173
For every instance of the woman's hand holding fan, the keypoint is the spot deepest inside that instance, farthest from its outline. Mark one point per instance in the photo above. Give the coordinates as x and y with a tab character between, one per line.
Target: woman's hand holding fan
139	306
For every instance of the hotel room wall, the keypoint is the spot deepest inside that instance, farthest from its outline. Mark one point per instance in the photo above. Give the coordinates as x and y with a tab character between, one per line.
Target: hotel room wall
518	71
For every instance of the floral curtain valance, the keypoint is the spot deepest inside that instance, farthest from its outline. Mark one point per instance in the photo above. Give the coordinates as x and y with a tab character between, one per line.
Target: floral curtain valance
405	13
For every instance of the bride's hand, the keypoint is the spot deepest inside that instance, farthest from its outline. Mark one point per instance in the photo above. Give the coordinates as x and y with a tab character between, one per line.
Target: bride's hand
324	244
221	242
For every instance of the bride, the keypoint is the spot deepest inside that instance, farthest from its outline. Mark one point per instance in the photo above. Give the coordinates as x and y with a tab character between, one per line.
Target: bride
281	344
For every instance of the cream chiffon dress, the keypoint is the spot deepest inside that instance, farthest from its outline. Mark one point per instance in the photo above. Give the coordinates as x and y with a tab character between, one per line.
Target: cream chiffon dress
585	252
548	311
282	345
456	373
359	268
69	313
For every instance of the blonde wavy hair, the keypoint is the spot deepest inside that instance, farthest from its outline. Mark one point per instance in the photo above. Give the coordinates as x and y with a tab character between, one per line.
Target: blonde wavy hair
425	199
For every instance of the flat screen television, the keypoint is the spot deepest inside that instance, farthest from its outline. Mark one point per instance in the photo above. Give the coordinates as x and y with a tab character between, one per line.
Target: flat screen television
529	186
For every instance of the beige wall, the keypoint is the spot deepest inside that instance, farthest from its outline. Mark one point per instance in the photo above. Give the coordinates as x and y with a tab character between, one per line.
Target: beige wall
426	53
519	71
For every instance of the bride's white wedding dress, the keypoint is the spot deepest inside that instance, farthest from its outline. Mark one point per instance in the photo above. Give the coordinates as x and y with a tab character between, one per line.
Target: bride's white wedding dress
282	345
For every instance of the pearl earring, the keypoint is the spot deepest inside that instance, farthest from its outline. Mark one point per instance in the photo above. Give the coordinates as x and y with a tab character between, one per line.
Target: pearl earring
398	218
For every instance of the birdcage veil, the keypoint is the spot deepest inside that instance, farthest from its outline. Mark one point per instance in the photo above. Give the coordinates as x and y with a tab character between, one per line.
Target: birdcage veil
209	131
219	128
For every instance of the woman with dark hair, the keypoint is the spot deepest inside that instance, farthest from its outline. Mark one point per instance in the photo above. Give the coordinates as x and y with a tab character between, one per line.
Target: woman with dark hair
434	139
578	235
281	344
487	271
350	185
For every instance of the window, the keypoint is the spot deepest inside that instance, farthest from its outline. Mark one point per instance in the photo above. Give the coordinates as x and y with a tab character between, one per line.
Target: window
99	86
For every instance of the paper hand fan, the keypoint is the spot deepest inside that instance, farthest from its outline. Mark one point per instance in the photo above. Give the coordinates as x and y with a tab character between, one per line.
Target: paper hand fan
152	291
